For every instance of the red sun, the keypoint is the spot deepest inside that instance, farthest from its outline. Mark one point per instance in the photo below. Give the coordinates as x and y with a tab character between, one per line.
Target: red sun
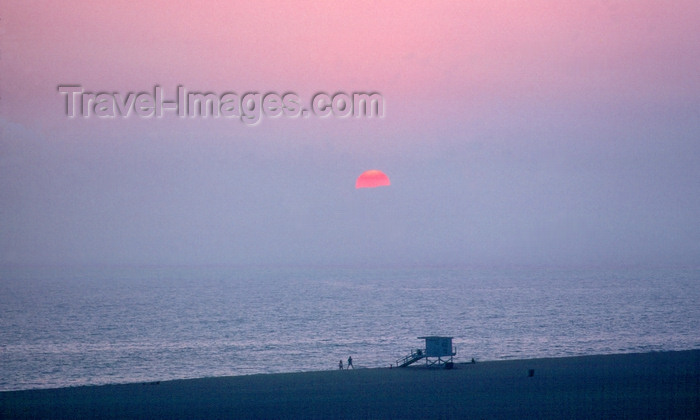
371	179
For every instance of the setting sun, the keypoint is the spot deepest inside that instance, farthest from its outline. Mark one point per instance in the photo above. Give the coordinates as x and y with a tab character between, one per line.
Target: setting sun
371	179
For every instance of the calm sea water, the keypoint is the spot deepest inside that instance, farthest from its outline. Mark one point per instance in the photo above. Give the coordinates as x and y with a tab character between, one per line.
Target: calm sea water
66	327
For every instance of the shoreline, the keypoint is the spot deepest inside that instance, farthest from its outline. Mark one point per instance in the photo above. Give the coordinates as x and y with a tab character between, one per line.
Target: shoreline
630	385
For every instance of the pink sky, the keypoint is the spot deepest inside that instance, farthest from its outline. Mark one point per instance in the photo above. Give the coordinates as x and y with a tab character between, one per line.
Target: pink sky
509	126
462	54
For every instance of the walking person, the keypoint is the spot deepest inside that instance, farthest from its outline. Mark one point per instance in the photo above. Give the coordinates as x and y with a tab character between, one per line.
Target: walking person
350	363
340	365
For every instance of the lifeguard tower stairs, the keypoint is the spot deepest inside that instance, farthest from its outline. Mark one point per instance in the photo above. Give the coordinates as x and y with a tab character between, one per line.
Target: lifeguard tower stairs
438	352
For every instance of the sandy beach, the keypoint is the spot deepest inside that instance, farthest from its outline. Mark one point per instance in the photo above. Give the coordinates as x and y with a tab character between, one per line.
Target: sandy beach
635	386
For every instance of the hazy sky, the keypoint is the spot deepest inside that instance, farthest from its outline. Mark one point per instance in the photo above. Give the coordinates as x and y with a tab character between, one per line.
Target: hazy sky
538	132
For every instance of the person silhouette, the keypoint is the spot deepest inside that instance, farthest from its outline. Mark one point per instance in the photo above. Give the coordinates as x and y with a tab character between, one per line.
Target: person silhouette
350	363
340	365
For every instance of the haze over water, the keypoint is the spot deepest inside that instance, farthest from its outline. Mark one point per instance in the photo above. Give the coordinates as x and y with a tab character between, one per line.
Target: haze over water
94	326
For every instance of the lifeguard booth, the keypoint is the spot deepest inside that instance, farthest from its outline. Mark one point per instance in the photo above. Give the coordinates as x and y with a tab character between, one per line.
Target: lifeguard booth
438	351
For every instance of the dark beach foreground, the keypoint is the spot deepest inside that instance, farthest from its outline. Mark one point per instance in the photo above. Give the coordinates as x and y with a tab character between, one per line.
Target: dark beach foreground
635	386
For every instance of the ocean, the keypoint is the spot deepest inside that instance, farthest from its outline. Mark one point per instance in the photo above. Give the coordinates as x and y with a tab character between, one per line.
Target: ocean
64	327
